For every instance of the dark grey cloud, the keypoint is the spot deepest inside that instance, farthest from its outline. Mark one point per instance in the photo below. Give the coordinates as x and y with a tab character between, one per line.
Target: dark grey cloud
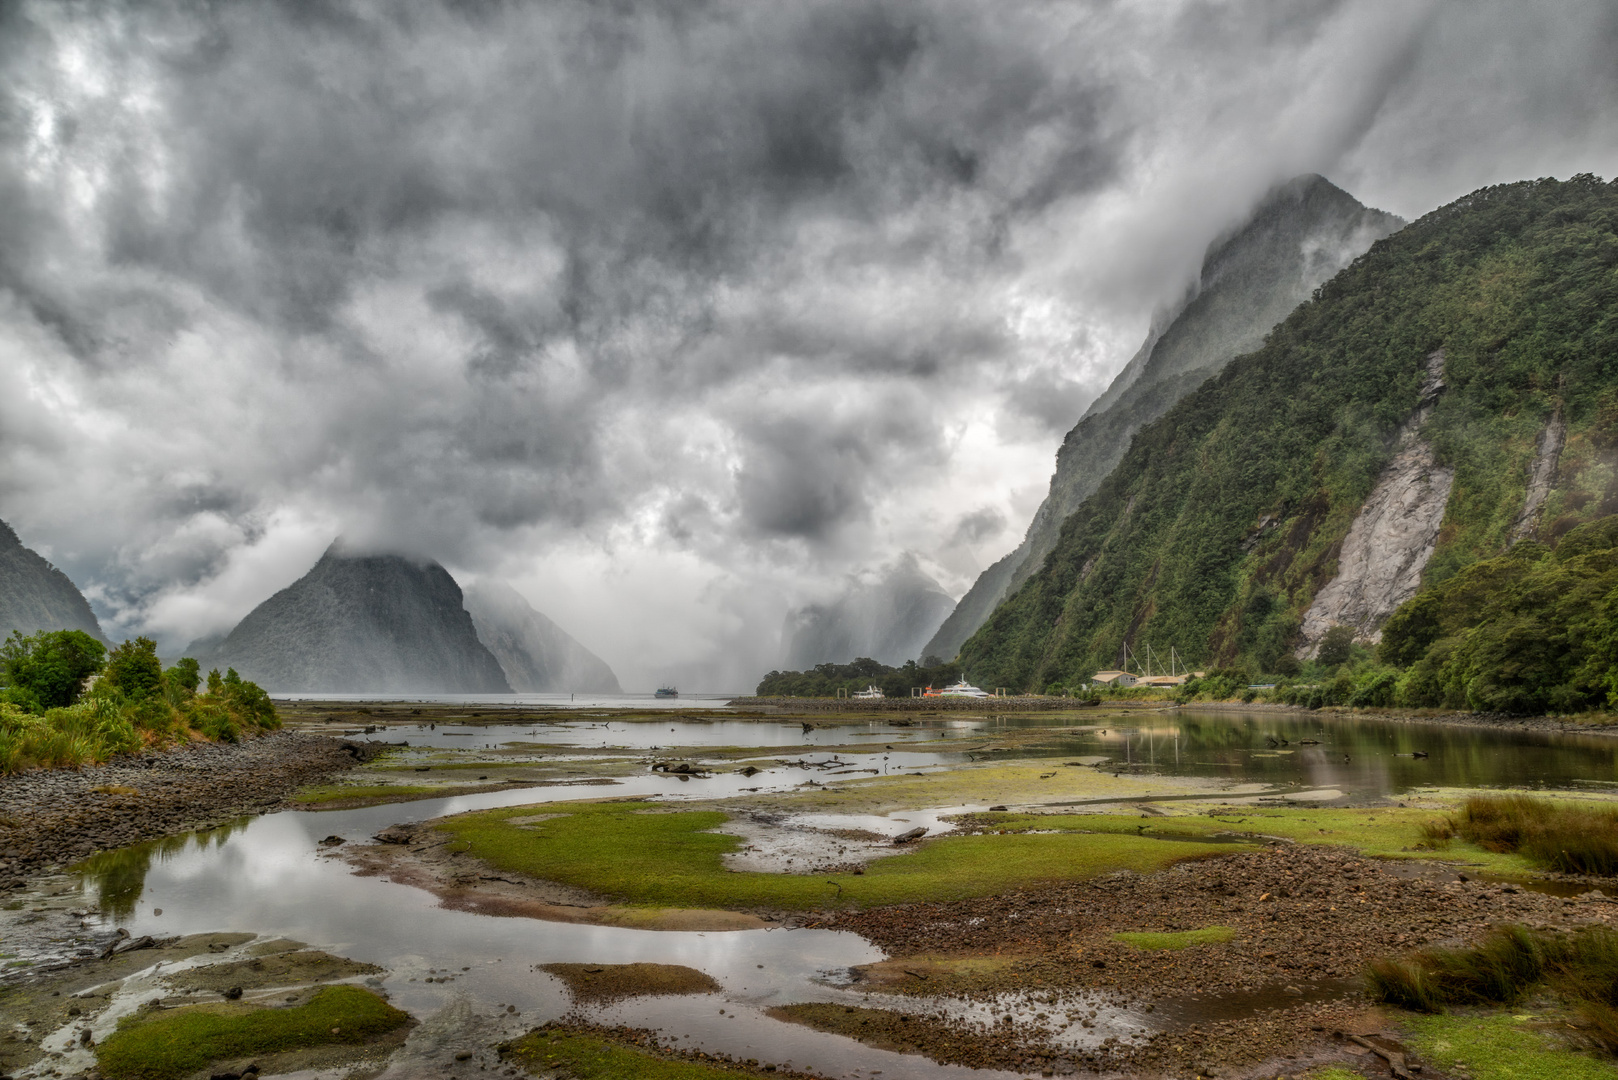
759	295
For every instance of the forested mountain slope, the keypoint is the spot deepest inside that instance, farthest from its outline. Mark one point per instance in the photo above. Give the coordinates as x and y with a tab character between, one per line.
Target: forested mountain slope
35	596
1468	361
1301	234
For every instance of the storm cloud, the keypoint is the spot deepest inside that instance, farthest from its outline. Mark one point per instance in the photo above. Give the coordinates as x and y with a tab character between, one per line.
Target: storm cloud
675	315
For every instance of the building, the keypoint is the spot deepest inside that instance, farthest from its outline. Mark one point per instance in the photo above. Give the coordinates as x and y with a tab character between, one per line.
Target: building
1162	680
1114	678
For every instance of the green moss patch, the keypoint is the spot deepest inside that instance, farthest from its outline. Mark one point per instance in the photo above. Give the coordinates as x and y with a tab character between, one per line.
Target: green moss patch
172	1044
644	854
1176	939
611	982
590	1057
1383	833
1502	1048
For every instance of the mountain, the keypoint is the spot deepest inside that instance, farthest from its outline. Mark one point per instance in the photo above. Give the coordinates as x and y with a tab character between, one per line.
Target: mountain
363	624
1448	395
886	617
1301	234
537	655
35	596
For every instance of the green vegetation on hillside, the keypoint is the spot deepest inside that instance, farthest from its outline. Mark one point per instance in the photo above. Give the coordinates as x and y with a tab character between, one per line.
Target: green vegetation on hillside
48	719
1535	630
824	680
1225	517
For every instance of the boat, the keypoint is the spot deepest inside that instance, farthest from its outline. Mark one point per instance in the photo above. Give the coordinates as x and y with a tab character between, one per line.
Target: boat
962	689
666	691
870	693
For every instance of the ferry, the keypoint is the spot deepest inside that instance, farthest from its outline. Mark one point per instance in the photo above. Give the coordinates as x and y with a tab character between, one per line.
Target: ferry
962	689
870	693
666	691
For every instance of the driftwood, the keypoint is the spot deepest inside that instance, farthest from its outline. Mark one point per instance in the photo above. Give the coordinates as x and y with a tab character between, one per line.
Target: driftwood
1393	1054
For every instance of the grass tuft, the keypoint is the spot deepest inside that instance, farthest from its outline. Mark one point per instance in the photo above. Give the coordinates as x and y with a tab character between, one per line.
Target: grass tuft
178	1043
1556	836
1405	983
1176	939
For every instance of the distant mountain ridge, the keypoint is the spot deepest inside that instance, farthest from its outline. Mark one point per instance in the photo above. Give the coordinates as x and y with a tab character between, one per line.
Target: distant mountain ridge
1298	237
537	656
363	624
35	596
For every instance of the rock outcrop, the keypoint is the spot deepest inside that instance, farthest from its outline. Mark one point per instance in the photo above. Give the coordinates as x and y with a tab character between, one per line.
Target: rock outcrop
537	656
35	596
1298	237
888	619
1392	538
363	624
1540	476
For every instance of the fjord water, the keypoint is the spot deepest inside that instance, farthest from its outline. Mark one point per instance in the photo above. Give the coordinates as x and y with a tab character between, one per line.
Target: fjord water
270	875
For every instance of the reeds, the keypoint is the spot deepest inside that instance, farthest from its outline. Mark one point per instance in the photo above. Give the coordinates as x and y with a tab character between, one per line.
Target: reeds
1554	836
1507	965
1500	969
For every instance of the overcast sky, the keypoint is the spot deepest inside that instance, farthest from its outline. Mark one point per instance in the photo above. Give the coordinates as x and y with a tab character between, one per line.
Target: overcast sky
675	315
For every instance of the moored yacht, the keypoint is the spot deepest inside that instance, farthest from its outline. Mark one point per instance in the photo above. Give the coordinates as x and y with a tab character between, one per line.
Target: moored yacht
962	689
870	693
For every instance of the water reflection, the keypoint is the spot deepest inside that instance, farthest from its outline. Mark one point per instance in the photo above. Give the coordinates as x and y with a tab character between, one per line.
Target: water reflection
1358	755
118	877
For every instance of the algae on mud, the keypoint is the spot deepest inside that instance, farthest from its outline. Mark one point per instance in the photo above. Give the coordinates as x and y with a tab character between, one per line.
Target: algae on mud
588	1056
179	1042
1175	939
610	982
644	854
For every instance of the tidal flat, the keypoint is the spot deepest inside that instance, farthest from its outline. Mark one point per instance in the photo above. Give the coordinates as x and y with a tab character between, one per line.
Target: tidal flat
1143	892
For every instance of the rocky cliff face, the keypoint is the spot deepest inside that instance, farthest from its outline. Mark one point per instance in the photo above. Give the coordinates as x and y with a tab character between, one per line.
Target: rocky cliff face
363	624
1393	536
35	596
1300	235
887	619
537	656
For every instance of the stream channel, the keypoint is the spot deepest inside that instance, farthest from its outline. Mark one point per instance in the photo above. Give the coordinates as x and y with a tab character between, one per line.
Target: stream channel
270	876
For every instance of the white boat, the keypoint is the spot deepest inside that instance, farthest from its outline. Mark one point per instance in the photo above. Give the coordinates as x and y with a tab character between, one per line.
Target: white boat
962	689
870	693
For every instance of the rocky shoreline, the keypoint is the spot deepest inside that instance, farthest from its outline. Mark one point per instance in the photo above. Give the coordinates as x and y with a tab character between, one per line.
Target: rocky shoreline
53	817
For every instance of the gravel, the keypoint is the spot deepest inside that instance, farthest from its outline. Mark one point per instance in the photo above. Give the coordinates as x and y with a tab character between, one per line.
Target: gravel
52	817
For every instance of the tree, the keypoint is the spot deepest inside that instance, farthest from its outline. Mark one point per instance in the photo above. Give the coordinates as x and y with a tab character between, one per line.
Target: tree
134	670
50	667
185	675
1337	645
